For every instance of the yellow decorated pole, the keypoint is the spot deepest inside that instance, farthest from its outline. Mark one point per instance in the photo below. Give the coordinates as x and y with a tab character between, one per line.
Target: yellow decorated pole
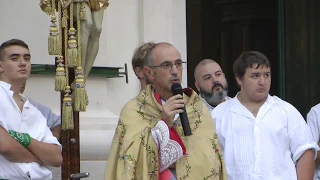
72	42
81	97
60	80
65	42
67	110
67	58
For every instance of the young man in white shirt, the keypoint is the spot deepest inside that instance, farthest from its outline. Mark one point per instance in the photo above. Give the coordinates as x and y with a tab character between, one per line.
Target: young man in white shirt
53	121
27	145
262	136
313	120
211	83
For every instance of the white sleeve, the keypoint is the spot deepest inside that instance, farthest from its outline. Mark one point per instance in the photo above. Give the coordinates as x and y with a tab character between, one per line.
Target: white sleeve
50	139
300	137
38	128
2	123
53	120
313	123
169	150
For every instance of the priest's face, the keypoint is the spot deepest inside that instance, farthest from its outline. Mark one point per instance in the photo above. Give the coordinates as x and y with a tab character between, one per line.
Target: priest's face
167	68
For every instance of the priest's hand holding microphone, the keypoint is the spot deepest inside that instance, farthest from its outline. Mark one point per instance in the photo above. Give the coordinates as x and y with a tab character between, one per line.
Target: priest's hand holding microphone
173	106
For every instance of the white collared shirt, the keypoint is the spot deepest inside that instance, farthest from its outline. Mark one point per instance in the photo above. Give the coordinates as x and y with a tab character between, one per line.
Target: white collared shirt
30	121
52	119
263	147
210	108
313	120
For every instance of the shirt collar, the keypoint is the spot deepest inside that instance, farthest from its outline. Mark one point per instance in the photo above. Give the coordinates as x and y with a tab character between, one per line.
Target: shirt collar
5	85
207	104
23	97
269	99
211	107
241	109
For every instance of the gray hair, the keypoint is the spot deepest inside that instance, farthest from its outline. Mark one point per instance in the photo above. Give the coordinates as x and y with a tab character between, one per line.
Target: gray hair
149	56
202	63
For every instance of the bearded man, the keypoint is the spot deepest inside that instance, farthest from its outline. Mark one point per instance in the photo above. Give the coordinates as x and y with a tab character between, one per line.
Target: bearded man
211	83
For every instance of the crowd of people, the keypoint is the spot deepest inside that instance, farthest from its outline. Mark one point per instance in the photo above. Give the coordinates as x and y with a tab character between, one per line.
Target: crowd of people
250	136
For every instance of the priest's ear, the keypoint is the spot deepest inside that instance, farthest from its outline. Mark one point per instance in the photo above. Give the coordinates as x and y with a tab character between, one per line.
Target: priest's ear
148	72
139	72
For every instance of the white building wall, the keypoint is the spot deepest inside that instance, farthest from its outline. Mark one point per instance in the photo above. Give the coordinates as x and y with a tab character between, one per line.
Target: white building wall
127	24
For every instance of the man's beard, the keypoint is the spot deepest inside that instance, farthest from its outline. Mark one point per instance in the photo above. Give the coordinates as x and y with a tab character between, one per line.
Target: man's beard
213	98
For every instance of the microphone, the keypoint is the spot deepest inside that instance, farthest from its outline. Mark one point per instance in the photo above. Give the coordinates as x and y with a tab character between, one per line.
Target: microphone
177	89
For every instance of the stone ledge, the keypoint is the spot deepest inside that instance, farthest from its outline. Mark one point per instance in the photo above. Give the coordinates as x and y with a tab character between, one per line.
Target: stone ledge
95	144
98	120
96	169
98	123
96	134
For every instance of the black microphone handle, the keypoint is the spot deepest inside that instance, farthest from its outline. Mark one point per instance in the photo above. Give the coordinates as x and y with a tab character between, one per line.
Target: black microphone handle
185	122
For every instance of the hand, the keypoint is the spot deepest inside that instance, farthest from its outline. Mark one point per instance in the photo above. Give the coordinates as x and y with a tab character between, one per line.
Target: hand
172	107
23	138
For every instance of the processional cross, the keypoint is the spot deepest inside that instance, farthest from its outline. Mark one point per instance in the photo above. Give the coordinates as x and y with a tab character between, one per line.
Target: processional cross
74	41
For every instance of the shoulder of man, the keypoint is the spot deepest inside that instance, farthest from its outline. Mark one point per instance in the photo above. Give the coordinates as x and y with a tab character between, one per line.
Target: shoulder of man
45	111
315	110
38	105
130	106
222	108
34	103
288	108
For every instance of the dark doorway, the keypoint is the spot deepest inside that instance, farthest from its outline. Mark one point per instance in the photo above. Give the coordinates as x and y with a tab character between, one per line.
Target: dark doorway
223	29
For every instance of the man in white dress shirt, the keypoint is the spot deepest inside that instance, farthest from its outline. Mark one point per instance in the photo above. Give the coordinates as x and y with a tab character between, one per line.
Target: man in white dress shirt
211	83
27	145
53	121
262	136
313	120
